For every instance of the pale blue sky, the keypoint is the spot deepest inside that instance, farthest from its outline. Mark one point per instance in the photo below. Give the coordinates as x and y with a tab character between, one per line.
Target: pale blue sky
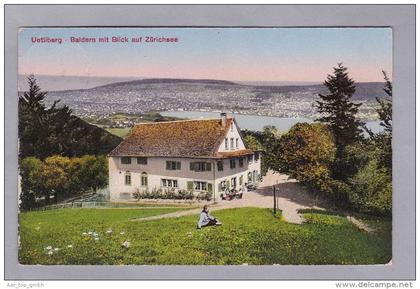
244	54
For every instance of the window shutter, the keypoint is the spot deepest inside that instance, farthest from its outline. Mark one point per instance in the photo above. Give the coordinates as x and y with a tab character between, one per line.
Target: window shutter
228	184
191	166
168	165
219	187
208	166
241	180
210	187
178	165
190	186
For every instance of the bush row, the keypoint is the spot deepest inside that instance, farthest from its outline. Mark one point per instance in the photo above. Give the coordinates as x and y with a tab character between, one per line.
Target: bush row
172	194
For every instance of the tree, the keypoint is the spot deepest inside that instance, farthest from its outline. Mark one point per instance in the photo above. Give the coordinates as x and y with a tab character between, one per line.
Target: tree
371	190
383	140
55	130
338	111
305	153
385	106
61	177
30	187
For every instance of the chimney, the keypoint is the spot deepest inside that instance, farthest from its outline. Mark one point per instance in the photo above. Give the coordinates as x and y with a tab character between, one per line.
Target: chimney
223	117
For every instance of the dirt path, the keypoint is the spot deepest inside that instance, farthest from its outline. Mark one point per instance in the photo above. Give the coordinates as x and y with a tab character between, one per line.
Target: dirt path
290	198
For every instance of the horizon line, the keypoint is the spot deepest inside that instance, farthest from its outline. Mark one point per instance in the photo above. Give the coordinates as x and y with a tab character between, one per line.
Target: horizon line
187	78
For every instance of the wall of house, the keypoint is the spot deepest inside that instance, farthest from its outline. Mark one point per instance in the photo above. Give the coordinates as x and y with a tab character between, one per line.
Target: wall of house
156	171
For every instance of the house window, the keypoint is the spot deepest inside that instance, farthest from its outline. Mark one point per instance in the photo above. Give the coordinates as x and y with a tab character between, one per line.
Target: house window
250	157
232	163
141	161
220	166
233	182
241	162
226	144
222	186
231	143
127	179
144	179
126	160
167	183
173	166
200	166
200	186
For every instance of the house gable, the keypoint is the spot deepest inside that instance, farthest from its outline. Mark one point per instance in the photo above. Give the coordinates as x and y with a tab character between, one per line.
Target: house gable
232	140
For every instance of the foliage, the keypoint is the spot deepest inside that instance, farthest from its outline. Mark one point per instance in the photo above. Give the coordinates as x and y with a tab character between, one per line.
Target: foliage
371	190
385	106
46	131
61	177
205	196
306	153
339	112
267	140
248	235
383	140
170	194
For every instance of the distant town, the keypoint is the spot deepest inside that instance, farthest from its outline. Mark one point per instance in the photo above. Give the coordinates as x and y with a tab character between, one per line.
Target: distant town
140	97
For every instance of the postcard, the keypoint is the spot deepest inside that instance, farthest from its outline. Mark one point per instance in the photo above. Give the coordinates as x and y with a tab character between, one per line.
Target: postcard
205	146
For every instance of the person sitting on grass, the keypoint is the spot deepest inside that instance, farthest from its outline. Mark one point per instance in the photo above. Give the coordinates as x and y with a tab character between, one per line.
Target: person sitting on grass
206	219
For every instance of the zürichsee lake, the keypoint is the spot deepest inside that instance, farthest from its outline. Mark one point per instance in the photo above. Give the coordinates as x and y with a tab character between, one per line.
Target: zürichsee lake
257	122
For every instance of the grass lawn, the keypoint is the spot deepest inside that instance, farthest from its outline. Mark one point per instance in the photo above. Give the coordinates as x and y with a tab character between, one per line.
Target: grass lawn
248	235
121	132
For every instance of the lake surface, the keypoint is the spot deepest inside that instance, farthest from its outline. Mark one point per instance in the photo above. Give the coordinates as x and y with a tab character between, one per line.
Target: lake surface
257	122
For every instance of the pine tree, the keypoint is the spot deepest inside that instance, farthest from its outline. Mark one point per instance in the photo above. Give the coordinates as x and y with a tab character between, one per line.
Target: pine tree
383	140
338	111
385	106
54	130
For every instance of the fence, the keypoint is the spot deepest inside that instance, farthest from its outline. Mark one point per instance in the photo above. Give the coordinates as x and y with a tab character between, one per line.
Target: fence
78	204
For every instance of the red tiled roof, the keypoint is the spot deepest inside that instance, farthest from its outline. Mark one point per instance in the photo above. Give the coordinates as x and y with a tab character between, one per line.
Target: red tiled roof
187	138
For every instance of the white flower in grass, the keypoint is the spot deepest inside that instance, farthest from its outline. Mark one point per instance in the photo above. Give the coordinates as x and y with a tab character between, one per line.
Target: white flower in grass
90	233
48	248
94	234
70	246
56	249
84	233
50	253
96	239
126	244
122	233
109	231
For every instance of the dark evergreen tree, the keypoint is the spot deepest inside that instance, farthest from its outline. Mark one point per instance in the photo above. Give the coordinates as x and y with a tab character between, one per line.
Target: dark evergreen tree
338	111
385	109
55	130
383	140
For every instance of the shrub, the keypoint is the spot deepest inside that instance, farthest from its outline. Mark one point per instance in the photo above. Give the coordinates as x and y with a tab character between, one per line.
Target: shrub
169	194
371	190
186	194
205	196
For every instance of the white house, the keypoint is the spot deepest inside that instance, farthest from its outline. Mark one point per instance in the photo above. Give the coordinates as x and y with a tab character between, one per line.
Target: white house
198	155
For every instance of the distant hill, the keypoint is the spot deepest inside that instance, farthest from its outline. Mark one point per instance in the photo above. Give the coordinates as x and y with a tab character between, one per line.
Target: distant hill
167	81
56	82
